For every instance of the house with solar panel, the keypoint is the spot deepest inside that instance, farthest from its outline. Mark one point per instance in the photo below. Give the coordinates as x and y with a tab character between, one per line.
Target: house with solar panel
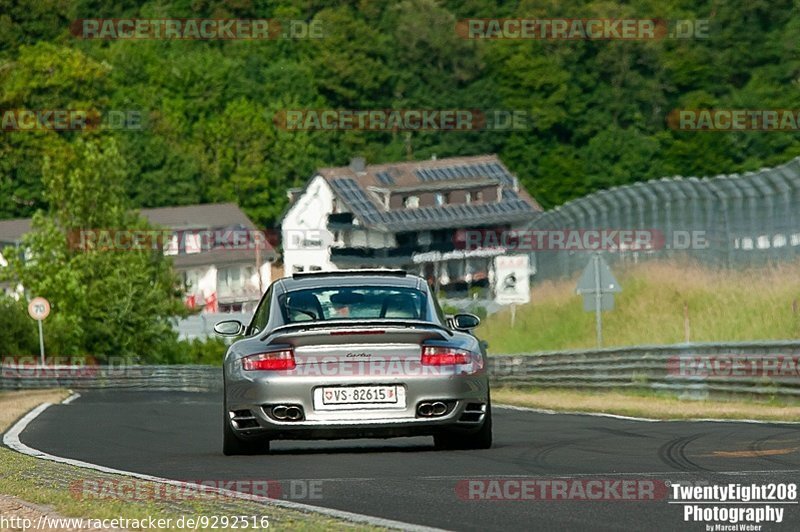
404	215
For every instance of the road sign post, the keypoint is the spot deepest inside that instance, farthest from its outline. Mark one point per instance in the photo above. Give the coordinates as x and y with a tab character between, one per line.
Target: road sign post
598	301
512	282
598	285
39	309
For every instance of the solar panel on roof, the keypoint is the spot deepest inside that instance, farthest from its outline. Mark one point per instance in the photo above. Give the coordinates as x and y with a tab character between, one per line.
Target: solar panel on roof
385	178
355	197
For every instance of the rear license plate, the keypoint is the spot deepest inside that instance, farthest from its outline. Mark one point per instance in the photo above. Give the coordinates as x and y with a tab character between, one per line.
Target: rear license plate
338	397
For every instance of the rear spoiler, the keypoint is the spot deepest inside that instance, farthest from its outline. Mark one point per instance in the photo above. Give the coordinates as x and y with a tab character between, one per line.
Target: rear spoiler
355	272
324	324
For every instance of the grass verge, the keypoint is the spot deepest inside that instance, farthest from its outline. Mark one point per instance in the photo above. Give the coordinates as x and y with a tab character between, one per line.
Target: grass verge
721	305
643	404
53	486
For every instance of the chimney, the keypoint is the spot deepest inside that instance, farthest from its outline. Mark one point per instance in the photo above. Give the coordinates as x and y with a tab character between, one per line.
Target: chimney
292	194
358	165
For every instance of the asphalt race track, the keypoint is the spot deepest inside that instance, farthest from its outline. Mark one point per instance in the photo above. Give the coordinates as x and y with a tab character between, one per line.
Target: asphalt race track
177	436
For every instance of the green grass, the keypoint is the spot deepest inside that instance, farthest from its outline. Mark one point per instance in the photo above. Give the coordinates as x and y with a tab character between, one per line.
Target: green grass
722	306
648	404
49	484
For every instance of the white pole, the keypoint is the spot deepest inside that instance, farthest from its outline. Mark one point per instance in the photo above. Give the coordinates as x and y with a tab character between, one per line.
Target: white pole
598	295
41	341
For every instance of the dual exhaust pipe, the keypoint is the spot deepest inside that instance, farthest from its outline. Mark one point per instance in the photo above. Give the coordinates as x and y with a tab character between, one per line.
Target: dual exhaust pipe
436	408
287	413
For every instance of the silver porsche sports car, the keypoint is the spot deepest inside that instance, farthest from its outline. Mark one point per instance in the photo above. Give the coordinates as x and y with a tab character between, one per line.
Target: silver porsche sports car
354	354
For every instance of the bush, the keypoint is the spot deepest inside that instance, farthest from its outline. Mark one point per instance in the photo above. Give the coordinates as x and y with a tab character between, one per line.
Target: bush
206	352
18	334
479	311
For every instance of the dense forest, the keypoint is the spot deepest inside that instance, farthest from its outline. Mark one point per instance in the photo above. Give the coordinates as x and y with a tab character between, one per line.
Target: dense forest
598	108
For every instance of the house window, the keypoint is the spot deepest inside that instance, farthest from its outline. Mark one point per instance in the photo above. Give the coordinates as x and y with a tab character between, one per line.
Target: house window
192	243
468	197
442	198
411	202
191	280
479	196
297	269
230	280
171	247
315	268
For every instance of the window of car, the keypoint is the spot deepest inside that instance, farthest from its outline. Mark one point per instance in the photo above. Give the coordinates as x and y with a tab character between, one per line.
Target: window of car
261	316
370	302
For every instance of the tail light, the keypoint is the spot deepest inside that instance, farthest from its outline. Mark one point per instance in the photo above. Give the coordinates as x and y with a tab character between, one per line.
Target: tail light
444	356
272	361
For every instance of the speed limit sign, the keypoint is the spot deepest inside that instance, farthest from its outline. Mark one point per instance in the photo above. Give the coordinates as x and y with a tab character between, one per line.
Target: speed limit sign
39	308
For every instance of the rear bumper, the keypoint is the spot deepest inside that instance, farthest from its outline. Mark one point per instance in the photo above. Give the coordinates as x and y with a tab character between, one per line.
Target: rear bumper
467	397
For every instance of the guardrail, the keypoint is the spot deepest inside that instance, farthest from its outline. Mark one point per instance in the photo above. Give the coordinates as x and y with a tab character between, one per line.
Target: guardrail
671	368
694	369
165	378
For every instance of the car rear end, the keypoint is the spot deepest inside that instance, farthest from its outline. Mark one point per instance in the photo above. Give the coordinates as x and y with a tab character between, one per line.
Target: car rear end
359	380
319	374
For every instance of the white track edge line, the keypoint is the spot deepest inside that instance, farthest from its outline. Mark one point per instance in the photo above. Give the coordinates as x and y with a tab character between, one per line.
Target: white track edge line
11	440
71	398
643	419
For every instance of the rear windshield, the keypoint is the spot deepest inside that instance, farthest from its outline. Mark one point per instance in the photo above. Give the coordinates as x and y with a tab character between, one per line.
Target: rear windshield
353	303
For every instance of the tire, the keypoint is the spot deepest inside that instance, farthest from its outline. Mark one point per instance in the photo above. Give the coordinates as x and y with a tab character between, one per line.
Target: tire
482	439
232	445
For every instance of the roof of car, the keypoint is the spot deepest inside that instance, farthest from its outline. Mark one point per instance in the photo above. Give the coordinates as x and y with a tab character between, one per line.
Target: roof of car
351	278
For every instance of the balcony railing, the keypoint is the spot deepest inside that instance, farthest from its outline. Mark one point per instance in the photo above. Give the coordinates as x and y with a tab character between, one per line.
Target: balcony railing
403	252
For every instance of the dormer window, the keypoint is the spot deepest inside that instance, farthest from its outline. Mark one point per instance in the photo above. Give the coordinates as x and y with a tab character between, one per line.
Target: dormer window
411	202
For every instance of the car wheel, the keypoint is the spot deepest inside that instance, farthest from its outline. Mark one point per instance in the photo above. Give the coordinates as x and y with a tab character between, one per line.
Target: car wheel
232	445
482	439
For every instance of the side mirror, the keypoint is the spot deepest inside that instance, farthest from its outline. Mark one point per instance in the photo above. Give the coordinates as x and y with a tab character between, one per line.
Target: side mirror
465	322
229	328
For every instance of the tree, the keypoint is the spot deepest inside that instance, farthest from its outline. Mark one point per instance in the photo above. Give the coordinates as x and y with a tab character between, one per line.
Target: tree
106	302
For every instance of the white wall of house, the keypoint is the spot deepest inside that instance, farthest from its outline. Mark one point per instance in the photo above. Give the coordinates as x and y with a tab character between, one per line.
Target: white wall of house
7	288
305	237
368	238
204	281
